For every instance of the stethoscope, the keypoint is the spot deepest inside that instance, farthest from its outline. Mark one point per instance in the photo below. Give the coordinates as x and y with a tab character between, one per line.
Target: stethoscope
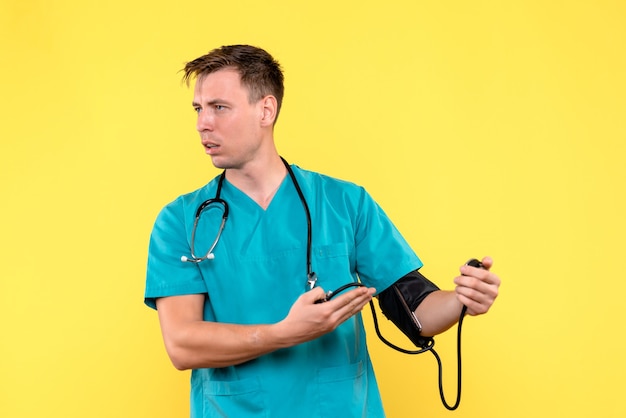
217	200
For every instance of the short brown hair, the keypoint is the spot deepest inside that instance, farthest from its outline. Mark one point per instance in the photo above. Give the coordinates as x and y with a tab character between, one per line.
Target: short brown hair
259	71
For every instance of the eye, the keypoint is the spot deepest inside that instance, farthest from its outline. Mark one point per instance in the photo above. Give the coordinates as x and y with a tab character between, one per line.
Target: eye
219	107
197	109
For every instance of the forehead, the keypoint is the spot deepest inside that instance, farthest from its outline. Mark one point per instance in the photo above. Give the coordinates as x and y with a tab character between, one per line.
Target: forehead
224	84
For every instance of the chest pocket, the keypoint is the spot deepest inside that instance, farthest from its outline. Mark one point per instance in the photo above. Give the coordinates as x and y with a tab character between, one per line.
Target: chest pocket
334	265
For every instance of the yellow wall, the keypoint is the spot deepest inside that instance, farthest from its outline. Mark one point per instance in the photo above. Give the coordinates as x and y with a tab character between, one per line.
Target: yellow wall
485	127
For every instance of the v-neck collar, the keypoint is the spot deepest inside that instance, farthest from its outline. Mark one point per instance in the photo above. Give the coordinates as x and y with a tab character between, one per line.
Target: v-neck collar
248	202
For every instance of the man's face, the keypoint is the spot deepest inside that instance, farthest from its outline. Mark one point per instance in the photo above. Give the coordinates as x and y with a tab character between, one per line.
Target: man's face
229	125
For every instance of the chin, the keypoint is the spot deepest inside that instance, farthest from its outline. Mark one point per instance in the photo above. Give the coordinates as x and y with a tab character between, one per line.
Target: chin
221	163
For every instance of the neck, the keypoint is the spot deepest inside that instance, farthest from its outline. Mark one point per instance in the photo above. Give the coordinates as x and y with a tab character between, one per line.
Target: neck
260	180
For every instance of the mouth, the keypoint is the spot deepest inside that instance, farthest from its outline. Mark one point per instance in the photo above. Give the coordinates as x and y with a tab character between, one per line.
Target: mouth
210	147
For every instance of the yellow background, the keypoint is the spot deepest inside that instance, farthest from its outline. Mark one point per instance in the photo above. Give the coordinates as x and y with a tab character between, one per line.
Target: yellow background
485	127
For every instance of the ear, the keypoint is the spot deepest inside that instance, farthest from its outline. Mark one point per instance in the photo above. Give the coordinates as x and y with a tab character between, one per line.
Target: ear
269	107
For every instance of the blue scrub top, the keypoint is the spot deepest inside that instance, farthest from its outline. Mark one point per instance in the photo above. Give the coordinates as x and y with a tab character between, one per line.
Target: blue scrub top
259	271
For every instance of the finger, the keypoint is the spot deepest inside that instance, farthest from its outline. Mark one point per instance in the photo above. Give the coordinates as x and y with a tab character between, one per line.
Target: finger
346	296
487	262
470	271
475	307
478	295
477	291
353	301
487	285
477	273
473	282
478	301
314	294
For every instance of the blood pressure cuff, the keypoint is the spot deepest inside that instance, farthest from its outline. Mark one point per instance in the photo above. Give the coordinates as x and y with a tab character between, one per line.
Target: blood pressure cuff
399	301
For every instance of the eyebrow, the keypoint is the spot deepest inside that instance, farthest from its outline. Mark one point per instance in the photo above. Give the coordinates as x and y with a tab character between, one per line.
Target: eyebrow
210	102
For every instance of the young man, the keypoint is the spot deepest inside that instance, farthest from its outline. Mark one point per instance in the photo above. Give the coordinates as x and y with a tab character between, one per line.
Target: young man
241	308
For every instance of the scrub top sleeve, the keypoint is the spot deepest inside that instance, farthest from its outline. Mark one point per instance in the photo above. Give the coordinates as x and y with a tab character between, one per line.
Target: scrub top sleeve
166	274
383	255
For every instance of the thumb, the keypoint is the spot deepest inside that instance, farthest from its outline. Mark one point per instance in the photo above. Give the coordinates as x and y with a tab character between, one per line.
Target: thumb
487	262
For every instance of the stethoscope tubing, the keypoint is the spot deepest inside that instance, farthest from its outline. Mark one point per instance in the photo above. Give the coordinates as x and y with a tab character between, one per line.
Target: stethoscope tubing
209	255
311	276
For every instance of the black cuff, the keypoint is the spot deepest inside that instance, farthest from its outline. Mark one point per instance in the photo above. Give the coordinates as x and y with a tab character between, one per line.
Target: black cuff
399	301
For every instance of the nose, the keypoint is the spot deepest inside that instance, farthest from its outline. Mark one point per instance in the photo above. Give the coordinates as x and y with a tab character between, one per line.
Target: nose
205	121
